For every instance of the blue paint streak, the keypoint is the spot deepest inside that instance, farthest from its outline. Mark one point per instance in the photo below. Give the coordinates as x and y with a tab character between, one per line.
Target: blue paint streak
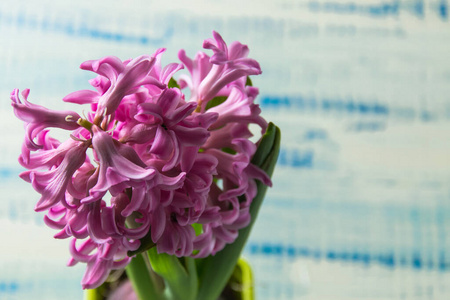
443	266
5	173
9	173
275	101
316	134
267	249
303	103
282	158
443	10
350	107
296	159
365	257
383	9
363	108
368	126
380	10
302	160
316	254
417	262
403	261
254	249
360	257
291	251
344	256
20	20
426	116
418	9
331	255
12	213
8	287
70	29
13	287
380	109
304	252
386	259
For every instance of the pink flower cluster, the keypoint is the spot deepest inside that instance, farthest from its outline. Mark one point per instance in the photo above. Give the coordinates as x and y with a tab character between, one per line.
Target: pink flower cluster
145	161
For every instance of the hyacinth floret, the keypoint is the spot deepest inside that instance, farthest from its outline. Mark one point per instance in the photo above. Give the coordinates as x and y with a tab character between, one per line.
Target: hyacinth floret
144	161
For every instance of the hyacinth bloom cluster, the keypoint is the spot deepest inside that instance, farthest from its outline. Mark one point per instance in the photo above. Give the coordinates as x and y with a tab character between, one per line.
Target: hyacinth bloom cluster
145	161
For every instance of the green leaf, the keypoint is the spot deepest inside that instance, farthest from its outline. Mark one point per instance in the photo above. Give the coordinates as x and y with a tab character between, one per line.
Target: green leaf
265	145
270	160
173	83
181	281
214	271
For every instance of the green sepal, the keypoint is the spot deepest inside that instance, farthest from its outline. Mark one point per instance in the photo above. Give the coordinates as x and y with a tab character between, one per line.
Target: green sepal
229	150
198	228
215	101
181	280
248	82
173	83
214	271
219	99
146	244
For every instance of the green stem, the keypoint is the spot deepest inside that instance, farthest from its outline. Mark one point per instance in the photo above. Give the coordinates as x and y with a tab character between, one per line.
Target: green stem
141	279
180	279
93	294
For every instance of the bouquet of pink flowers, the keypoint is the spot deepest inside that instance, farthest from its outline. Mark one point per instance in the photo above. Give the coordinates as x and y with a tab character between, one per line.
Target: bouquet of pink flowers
150	179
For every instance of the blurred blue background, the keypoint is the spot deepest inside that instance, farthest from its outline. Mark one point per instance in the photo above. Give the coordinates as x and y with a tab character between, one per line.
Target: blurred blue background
360	89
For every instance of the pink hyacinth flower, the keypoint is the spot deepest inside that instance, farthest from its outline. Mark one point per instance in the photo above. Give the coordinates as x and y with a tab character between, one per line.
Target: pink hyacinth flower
100	259
144	161
114	168
227	64
37	117
239	108
52	184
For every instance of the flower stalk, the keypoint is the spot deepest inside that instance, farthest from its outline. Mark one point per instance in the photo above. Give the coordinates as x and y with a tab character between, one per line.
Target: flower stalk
144	283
